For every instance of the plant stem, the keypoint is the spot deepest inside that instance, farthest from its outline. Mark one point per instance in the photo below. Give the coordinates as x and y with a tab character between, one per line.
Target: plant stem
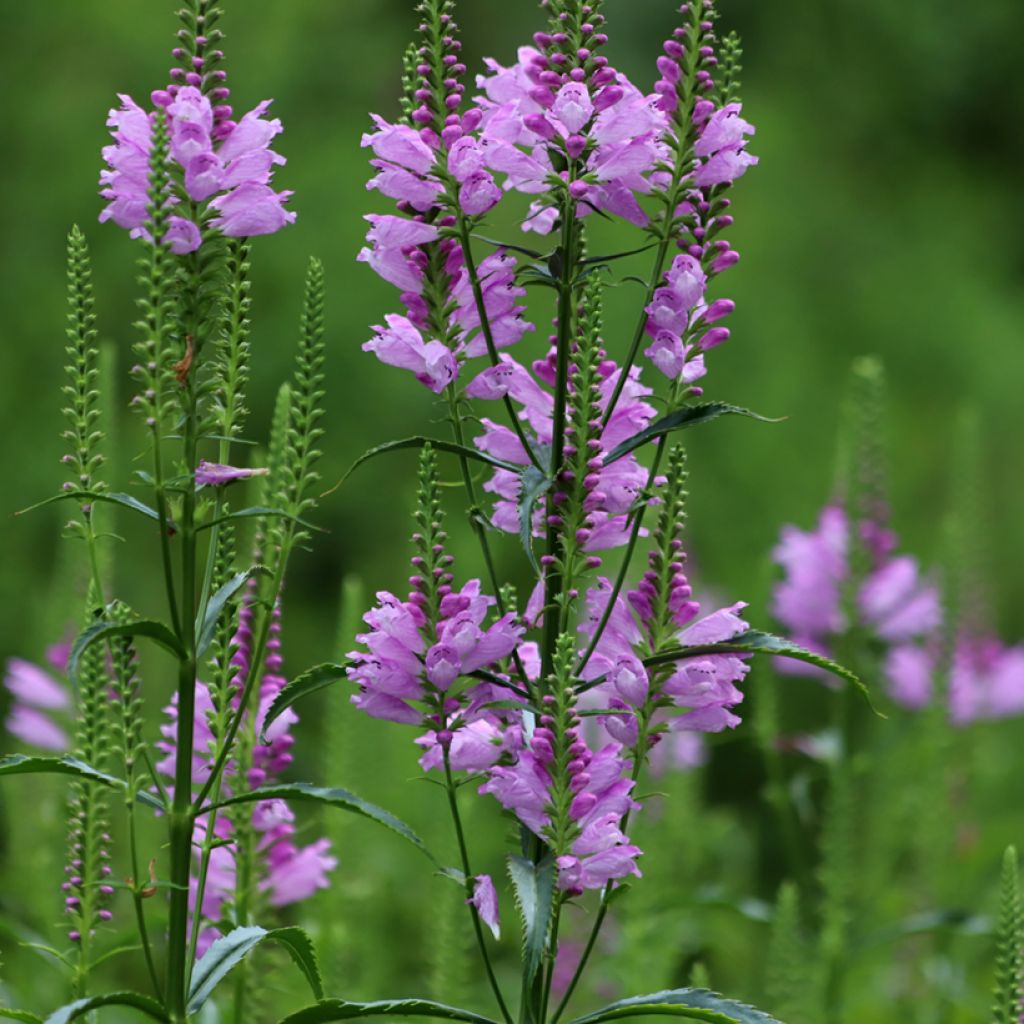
468	876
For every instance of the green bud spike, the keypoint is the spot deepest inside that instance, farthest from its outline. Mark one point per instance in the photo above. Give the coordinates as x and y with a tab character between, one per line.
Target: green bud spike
728	82
788	964
1009	945
432	563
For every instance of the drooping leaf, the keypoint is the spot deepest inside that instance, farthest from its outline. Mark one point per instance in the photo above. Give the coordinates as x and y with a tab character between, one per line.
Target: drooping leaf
534	485
215	606
340	798
229	950
259	512
418	442
112	498
534	887
24	764
592	260
681	419
317	678
688	1003
149	628
338	1009
144	1004
756	642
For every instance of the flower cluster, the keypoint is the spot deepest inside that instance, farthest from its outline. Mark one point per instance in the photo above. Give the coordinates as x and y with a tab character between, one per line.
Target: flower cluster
224	165
287	873
37	698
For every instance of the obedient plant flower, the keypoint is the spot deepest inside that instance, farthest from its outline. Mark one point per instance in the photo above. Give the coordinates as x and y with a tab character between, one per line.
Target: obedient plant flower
485	899
37	696
213	474
226	169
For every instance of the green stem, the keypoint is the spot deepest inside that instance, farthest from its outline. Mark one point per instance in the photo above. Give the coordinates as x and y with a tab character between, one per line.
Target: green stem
137	899
485	328
453	805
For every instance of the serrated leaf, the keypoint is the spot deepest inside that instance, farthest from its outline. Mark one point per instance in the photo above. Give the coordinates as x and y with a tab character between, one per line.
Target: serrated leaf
534	888
149	628
340	798
24	764
215	606
229	950
259	512
22	1015
150	1007
419	442
339	1009
689	1003
317	678
756	642
111	498
681	419
533	486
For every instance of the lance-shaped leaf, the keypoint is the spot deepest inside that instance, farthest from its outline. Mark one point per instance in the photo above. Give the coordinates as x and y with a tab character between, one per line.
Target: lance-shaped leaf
22	1015
340	798
215	606
756	642
259	512
229	950
317	678
419	442
534	888
681	419
112	498
23	764
689	1003
338	1009
150	628
144	1004
534	485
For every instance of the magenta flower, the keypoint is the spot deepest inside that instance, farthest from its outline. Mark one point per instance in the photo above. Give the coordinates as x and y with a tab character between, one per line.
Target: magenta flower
37	695
485	899
215	474
401	344
225	165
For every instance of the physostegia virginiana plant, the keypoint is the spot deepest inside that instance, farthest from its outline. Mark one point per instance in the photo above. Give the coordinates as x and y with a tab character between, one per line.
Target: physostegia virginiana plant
549	702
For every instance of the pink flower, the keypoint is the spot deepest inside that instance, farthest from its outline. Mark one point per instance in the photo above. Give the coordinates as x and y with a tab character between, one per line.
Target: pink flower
485	899
401	344
213	474
36	696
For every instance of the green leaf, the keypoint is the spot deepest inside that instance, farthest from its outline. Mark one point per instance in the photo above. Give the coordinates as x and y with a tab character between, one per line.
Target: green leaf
341	798
215	606
150	628
23	1015
150	1007
338	1009
534	484
592	260
23	764
756	642
125	500
258	512
534	887
317	678
229	950
688	1003
418	442
687	416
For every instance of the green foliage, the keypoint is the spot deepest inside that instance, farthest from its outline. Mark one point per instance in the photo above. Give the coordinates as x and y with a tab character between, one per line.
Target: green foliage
688	1003
1010	944
534	886
790	985
127	707
727	81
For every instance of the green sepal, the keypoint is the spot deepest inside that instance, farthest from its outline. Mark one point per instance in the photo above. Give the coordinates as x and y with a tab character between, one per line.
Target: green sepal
756	642
339	1009
681	419
24	764
144	1004
215	607
340	798
313	679
689	1003
229	950
534	887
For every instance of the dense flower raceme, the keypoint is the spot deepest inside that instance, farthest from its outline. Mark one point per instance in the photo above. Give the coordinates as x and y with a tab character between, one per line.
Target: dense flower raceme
287	873
39	701
695	694
613	487
398	253
226	166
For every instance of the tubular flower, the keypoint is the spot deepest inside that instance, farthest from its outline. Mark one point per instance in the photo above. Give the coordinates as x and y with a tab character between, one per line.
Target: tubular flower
37	696
613	486
225	165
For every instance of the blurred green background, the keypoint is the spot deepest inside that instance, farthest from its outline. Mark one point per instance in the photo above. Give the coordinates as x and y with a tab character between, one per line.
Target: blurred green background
885	217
